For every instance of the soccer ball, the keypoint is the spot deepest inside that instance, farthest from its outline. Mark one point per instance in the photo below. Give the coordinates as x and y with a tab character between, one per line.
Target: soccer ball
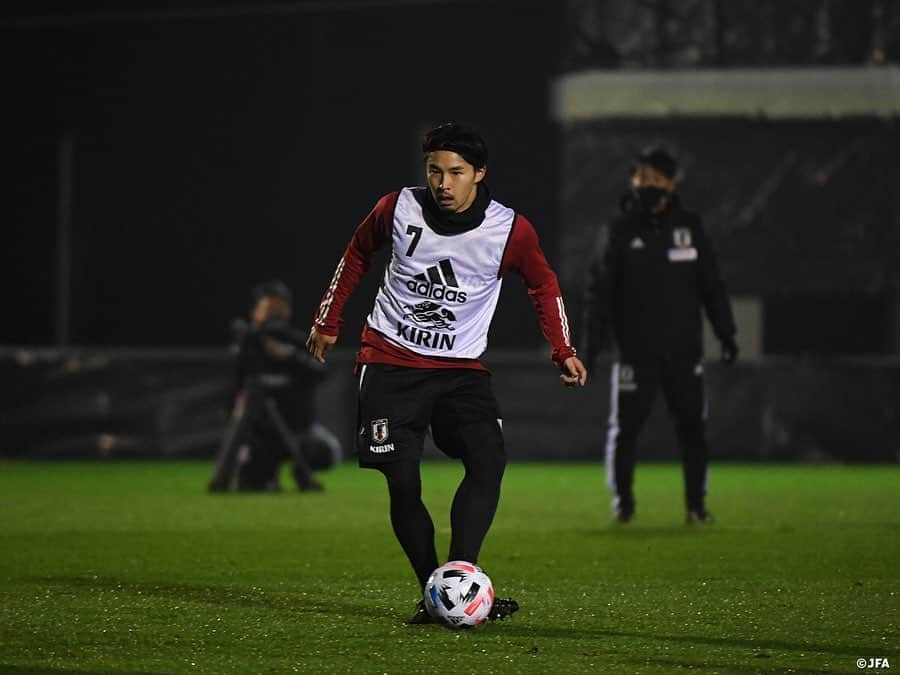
459	594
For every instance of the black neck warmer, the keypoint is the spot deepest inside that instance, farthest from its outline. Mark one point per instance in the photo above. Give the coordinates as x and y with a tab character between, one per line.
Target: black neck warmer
630	204
454	223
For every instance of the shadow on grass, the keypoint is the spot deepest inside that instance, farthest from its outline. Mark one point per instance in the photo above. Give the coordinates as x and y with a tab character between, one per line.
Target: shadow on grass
707	666
11	669
616	530
761	645
222	596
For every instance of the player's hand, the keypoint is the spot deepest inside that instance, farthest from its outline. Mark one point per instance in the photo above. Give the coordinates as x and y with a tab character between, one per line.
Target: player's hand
574	372
729	351
317	344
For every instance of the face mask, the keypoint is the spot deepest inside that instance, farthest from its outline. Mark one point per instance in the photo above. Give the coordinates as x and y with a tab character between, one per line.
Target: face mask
650	198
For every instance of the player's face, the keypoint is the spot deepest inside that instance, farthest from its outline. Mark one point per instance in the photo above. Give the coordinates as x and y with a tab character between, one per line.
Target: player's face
452	180
647	176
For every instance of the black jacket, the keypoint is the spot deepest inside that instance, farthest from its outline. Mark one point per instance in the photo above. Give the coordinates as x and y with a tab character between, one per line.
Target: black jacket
283	370
649	282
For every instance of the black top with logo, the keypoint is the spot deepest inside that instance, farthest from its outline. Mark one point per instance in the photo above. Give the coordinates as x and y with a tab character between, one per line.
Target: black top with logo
650	281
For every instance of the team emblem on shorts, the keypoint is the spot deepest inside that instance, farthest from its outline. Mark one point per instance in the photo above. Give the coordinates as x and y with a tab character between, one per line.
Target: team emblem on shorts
380	430
681	237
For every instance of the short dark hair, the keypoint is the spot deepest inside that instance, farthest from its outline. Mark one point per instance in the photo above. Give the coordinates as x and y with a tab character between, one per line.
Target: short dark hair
660	159
458	138
272	289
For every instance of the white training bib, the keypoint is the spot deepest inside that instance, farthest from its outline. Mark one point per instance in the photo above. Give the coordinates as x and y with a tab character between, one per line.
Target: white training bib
440	291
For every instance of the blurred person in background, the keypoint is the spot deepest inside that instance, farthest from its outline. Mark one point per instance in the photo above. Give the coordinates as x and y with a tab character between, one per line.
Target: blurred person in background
419	364
652	275
272	409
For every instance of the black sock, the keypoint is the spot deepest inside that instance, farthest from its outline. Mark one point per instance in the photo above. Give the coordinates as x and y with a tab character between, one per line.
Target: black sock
411	521
476	500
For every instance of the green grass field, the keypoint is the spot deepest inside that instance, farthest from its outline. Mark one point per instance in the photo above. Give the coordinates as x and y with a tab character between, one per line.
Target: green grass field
132	568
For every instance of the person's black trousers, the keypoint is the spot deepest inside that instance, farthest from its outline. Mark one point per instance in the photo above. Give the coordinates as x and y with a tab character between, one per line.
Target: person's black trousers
257	409
634	384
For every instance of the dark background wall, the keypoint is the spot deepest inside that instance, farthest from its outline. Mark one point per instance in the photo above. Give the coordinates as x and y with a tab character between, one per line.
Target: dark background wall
169	403
803	214
217	143
222	145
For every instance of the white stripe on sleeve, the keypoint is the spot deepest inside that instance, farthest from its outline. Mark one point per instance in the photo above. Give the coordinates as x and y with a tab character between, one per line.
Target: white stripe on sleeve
564	321
325	305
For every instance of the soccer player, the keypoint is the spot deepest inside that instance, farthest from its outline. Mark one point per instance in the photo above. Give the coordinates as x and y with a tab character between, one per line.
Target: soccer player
656	274
418	365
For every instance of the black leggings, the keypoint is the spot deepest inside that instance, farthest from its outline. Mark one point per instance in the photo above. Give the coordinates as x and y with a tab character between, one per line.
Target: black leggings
471	515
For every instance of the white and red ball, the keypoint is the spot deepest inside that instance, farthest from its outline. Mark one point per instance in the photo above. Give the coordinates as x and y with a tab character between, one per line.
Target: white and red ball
459	594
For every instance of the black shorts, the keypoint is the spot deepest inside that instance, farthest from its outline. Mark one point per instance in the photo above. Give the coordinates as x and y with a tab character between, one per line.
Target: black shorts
397	405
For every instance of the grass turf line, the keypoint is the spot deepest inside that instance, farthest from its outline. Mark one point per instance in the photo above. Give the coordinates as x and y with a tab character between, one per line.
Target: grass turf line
132	568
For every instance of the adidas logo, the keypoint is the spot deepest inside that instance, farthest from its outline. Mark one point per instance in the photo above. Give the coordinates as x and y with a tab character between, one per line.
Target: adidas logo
434	274
437	282
637	242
